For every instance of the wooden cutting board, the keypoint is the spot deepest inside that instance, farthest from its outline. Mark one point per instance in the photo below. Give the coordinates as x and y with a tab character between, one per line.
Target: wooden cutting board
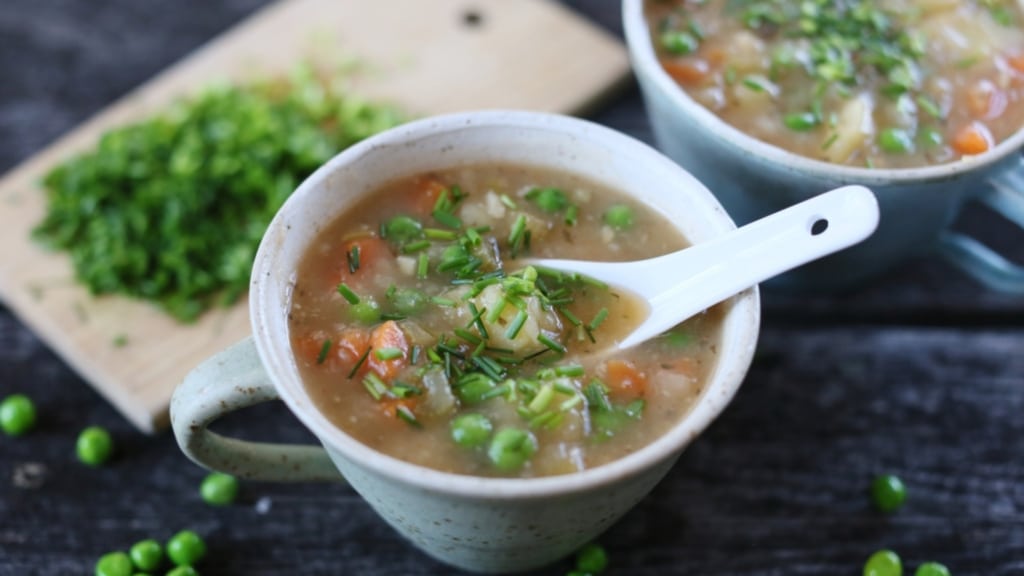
428	57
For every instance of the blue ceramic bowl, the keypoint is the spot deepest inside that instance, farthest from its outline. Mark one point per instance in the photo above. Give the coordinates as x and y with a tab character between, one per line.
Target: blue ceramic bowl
752	179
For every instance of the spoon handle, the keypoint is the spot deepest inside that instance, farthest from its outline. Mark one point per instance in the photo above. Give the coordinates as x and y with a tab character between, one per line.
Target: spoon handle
683	283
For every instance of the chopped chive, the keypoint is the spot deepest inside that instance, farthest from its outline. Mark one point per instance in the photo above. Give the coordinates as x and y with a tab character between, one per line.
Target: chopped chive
416	246
500	390
516	325
448	219
830	141
542	419
508	201
536	354
446	302
439	234
590	281
597	396
518	228
754	84
404	413
570	403
392	316
442	204
467	336
359	363
375	386
489	367
543	399
403	390
551	344
569	316
571	215
387	353
598	319
929	106
348	294
473	237
476	320
323	351
494	313
353	259
434	356
422	266
570	370
414	355
479	349
564	388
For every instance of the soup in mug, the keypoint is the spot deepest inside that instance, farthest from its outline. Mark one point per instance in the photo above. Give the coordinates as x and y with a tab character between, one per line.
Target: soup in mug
416	332
886	84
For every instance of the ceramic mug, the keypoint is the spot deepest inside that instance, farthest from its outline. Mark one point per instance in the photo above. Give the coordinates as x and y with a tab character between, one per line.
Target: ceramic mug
475	523
753	179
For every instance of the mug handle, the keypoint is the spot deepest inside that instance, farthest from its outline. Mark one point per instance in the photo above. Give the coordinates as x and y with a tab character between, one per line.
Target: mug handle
1006	197
233	379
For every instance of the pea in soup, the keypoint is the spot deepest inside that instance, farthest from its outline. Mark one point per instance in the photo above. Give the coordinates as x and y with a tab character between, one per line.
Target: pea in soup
416	333
886	84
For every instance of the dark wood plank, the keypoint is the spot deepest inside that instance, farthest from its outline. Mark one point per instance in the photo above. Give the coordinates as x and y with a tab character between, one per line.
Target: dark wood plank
920	374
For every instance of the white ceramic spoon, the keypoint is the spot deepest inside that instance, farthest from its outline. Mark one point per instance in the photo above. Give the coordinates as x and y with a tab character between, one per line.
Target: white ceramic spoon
679	285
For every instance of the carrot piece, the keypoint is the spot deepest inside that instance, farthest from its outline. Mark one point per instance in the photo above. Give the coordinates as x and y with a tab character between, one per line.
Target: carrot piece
1016	61
687	72
625	381
986	100
973	138
351	345
390	406
387	336
424	194
340	354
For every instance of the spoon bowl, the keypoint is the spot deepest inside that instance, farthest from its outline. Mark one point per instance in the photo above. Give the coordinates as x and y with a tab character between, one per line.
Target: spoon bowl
681	284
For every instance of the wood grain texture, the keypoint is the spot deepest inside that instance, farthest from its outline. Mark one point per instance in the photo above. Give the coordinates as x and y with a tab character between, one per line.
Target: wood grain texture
921	374
439	57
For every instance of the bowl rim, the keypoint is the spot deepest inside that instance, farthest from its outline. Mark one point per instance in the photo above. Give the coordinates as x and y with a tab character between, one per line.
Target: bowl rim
647	67
275	351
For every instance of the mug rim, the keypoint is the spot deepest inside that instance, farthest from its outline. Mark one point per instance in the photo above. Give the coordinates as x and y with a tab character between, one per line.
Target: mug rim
275	352
646	64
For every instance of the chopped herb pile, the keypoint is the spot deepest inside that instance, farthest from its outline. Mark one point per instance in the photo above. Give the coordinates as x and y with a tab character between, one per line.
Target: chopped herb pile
171	209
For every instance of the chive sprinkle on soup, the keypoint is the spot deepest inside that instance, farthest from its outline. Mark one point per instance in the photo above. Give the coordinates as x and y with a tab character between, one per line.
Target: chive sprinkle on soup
881	84
416	332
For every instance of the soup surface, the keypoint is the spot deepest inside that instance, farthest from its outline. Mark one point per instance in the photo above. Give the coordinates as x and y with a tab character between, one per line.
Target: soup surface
416	332
887	84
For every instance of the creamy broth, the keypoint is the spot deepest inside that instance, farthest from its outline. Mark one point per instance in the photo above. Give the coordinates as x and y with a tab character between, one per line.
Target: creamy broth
416	333
894	84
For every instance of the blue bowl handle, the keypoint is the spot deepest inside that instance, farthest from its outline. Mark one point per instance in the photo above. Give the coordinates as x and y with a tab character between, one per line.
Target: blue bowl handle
1006	197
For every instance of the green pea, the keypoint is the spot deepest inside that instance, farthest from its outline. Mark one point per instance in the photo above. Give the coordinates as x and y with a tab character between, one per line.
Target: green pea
511	448
895	141
94	446
883	563
471	430
186	548
548	199
888	492
931	569
219	489
147	555
408	300
473	391
403	229
183	571
452	256
366	311
619	216
680	43
801	121
114	564
591	559
931	137
17	414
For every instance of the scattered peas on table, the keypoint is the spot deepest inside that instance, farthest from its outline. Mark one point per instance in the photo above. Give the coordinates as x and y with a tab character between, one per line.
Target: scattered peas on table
186	548
219	489
888	492
147	555
94	446
932	569
17	414
883	563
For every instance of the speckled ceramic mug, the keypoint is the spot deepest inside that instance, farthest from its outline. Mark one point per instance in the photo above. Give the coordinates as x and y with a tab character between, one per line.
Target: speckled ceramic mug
480	524
753	179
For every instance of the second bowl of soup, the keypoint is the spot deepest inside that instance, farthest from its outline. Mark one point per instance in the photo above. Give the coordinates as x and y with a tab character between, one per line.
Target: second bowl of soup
769	102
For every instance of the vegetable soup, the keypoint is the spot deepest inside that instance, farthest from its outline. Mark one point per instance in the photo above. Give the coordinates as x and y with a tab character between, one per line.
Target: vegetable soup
886	84
416	332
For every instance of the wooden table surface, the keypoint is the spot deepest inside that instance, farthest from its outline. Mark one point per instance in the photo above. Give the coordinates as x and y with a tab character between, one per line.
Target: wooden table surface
921	374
